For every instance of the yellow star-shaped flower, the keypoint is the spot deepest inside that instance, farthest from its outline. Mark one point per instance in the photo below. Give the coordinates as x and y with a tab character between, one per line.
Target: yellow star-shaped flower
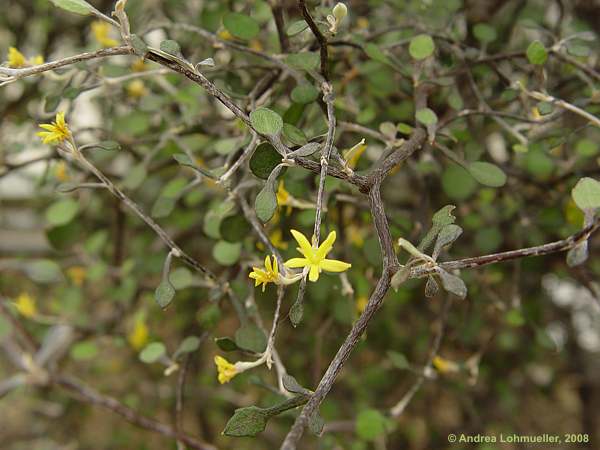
226	371
25	304
16	59
314	258
270	274
101	30
56	131
138	337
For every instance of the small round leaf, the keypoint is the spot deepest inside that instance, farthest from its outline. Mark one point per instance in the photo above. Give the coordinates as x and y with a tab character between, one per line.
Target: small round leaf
164	294
586	193
421	46
487	174
266	121
426	116
264	160
240	25
152	352
537	53
62	212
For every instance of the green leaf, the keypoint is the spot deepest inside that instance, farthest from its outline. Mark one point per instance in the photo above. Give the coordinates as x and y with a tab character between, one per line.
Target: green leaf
576	49
227	253
545	108
250	337
246	422
226	146
184	159
485	33
138	44
404	128
44	271
586	147
266	203
241	26
296	312
51	103
264	160
152	352
226	344
586	193
399	361
578	254
306	150
62	212
164	294
294	135
303	61
444	216
375	53
291	385
447	235
75	6
421	46
304	93
370	424
109	146
135	177
487	174
520	148
163	207
84	350
457	182
537	53
266	121
426	116
188	345
453	284
181	278
234	228
296	27
171	47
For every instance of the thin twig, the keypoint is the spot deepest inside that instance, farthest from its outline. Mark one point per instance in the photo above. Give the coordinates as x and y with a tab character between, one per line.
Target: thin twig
28	71
89	395
321	39
162	234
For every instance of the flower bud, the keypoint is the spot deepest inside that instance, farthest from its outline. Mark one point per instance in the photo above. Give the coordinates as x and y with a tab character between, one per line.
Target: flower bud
340	11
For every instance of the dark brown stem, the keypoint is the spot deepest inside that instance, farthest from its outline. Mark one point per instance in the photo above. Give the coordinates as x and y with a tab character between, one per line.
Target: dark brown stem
390	266
321	39
277	9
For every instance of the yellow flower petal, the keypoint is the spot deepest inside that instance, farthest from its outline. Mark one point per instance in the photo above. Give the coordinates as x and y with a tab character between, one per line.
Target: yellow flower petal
225	370
16	59
37	60
296	263
333	265
313	274
138	337
25	305
305	247
58	130
326	246
100	29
